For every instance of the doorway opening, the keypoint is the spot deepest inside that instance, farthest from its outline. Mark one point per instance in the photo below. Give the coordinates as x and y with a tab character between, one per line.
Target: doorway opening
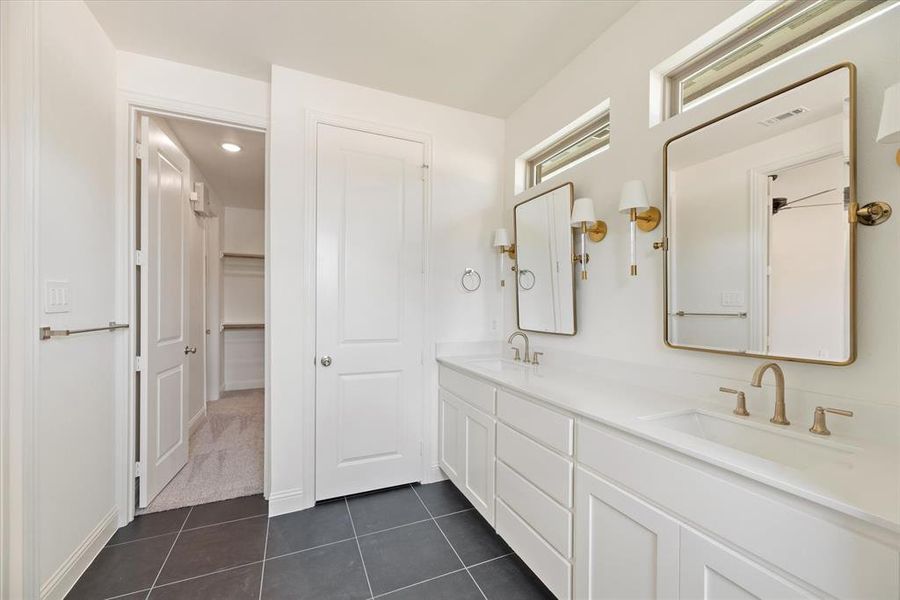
199	281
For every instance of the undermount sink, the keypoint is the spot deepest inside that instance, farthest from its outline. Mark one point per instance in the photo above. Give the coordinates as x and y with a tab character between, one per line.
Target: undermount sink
498	365
784	447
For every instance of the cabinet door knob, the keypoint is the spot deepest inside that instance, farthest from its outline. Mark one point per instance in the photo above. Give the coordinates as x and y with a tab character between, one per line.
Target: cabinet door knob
326	361
190	349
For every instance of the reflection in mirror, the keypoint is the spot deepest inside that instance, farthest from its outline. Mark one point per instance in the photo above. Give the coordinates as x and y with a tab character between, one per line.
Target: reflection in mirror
760	257
545	276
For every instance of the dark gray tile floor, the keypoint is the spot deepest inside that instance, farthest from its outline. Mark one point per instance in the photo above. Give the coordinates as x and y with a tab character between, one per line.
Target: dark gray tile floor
410	542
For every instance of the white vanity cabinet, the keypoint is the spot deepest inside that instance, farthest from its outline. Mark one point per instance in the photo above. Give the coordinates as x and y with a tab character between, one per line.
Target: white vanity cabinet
599	512
626	548
467	438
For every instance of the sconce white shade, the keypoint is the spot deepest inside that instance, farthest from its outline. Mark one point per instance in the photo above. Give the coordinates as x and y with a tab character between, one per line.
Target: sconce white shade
583	212
501	237
634	195
889	128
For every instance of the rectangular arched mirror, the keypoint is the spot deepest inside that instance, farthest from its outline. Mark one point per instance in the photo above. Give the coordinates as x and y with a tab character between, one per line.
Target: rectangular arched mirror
760	226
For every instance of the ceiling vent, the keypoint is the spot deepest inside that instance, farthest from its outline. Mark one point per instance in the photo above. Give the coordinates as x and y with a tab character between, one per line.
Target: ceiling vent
784	116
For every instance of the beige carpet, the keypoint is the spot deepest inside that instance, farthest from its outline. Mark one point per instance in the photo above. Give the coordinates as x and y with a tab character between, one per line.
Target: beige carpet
225	455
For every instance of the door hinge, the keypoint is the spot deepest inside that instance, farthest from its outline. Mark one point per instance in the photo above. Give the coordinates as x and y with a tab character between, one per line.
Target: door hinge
139	258
425	171
138	364
138	469
138	150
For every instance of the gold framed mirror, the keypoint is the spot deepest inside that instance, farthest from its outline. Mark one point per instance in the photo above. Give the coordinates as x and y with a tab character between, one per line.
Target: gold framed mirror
545	273
760	226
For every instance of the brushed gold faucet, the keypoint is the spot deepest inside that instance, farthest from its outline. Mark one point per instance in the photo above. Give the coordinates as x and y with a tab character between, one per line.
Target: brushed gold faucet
779	418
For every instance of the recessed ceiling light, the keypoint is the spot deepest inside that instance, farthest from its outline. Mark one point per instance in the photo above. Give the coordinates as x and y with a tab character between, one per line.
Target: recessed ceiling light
229	147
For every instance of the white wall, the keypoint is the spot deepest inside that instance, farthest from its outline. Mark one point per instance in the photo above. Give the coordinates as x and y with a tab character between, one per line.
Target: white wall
465	178
243	298
76	397
621	317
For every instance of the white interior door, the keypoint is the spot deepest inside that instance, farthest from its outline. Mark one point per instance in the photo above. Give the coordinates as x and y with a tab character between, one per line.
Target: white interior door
165	188
369	311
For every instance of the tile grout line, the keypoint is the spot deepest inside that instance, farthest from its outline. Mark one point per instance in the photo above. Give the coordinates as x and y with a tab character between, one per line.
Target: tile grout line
458	557
169	553
358	547
459	570
159	535
262	573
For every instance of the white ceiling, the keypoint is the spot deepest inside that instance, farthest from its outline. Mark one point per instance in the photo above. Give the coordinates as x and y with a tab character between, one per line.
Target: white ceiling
487	56
237	179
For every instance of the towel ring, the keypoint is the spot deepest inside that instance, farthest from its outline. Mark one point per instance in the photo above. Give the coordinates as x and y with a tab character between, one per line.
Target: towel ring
526	279
470	280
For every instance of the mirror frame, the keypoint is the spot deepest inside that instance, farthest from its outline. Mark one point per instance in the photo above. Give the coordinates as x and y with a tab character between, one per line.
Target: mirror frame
851	222
572	264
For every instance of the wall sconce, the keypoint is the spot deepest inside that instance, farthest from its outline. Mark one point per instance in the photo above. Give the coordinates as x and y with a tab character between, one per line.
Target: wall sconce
583	218
503	245
889	127
640	214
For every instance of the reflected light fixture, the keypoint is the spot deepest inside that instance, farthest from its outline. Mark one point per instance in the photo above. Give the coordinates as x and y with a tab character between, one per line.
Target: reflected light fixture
503	245
640	214
583	218
889	126
230	147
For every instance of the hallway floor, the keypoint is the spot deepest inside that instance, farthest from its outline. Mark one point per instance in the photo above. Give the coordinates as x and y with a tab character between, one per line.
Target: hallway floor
405	543
225	455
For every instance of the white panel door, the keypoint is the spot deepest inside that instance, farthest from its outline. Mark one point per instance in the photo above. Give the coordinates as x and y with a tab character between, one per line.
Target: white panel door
165	189
712	571
625	547
369	310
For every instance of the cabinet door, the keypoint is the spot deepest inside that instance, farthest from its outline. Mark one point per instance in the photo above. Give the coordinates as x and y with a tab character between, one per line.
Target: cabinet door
451	419
478	460
624	548
710	570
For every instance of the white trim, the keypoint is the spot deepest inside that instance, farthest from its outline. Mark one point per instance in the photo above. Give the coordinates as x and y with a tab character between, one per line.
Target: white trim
288	501
243	384
433	474
313	119
61	582
128	103
19	196
197	420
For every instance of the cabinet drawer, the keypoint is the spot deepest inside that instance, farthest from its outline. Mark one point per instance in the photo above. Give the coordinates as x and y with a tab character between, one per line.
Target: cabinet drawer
545	516
546	426
809	547
550	567
477	393
544	468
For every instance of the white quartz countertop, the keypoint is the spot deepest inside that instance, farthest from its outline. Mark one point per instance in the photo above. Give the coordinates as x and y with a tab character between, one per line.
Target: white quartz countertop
860	478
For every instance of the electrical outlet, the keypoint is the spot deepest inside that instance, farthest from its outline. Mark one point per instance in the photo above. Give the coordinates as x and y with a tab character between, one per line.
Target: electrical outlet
57	297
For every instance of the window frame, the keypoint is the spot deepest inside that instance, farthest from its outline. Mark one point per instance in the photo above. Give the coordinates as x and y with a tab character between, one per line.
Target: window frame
581	133
742	37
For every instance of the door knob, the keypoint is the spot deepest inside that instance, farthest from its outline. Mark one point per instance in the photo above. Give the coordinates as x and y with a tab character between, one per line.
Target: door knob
326	361
190	349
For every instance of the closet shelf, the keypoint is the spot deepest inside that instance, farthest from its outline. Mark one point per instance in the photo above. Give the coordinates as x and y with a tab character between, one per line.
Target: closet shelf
243	255
243	326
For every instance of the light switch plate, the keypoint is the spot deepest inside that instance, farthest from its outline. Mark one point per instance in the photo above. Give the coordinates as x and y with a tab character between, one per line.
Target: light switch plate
732	299
57	297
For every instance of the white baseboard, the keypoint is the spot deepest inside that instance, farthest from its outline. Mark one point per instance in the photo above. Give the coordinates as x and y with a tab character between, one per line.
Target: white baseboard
197	420
433	474
288	501
60	583
246	384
